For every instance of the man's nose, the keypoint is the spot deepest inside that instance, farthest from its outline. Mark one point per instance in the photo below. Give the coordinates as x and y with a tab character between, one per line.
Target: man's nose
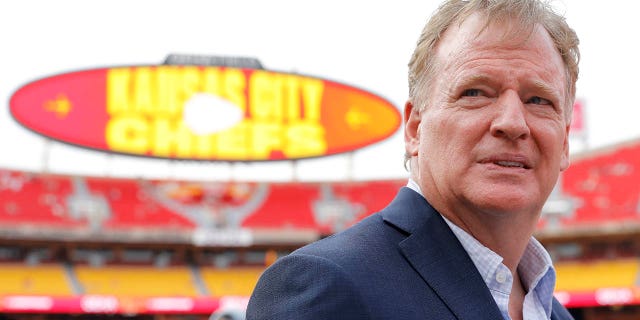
510	117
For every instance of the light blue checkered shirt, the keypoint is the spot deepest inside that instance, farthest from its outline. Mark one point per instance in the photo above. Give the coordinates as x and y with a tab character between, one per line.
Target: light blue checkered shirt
535	270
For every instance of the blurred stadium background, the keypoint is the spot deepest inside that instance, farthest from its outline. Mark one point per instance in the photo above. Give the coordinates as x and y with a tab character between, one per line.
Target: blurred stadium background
116	242
88	247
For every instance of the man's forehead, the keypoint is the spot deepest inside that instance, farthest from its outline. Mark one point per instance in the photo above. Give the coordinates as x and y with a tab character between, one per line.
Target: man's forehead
473	29
475	38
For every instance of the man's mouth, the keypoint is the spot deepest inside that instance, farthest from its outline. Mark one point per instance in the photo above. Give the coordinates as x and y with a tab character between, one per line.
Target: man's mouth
510	164
508	161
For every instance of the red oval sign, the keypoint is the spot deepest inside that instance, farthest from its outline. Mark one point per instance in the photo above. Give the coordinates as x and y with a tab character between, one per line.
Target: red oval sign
204	113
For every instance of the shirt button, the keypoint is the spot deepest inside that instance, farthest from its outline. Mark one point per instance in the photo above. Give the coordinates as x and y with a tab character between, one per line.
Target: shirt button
501	277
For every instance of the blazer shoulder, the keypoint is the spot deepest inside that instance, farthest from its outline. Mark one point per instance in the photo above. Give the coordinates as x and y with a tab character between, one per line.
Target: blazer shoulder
305	287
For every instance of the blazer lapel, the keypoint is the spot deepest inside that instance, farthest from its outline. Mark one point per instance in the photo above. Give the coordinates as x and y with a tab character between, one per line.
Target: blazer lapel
437	255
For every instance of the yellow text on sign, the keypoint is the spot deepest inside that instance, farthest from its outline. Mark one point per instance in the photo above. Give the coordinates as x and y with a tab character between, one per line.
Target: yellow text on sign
281	113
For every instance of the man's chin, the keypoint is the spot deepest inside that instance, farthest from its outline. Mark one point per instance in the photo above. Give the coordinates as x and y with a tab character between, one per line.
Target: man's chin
507	204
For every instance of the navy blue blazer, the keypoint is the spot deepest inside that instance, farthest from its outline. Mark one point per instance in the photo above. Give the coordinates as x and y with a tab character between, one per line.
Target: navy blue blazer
403	262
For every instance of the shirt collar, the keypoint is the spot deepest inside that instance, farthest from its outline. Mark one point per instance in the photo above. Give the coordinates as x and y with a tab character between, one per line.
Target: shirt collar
536	271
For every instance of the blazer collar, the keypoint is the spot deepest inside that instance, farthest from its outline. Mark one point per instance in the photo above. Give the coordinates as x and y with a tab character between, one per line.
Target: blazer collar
437	255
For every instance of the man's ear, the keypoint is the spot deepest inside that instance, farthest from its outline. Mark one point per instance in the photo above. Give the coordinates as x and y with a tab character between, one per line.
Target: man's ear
411	129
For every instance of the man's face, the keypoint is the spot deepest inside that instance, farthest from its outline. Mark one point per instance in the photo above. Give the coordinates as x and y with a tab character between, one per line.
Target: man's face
492	134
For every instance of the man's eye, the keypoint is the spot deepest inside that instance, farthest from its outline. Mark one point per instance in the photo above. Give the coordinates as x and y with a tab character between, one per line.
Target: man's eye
538	100
471	93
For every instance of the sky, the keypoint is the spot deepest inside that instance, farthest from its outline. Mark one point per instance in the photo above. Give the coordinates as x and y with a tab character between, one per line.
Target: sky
366	44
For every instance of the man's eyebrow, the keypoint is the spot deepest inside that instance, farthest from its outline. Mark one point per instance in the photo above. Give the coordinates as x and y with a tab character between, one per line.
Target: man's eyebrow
538	85
466	81
546	89
476	78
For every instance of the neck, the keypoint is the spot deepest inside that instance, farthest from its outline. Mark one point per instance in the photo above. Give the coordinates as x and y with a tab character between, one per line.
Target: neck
516	299
506	235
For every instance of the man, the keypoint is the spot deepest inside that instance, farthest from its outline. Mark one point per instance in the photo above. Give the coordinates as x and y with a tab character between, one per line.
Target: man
491	87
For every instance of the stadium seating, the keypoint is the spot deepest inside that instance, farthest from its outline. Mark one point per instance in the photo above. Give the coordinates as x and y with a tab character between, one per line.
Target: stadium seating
139	281
35	199
140	204
605	186
126	280
131	206
592	275
593	182
42	279
231	281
